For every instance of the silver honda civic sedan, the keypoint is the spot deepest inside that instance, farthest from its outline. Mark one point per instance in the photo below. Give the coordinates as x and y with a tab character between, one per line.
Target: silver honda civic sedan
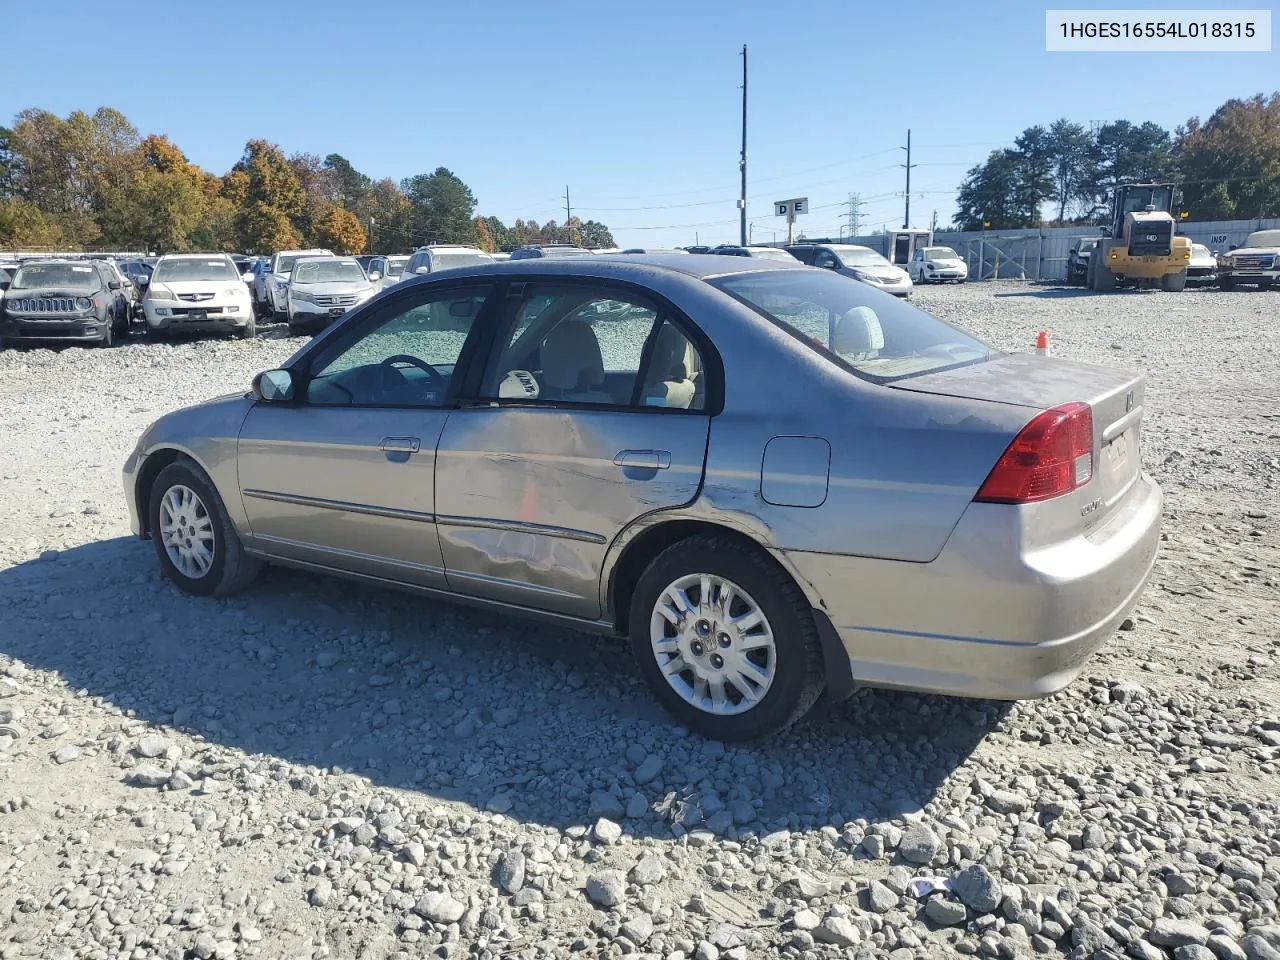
777	482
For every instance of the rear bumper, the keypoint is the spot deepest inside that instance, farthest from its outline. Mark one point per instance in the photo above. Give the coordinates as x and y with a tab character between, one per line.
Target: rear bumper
989	618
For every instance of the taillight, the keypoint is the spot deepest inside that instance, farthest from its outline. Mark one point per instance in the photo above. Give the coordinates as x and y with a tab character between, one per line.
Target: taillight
1050	456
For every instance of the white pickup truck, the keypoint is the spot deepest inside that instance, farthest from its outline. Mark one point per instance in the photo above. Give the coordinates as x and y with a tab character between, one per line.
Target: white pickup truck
1258	261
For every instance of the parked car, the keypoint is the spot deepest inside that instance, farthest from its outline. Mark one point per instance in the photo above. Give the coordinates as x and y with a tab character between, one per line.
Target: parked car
551	250
7	269
1078	260
67	300
1257	262
620	445
760	253
675	250
1202	269
860	263
937	265
197	293
321	289
389	270
138	272
442	257
273	281
127	287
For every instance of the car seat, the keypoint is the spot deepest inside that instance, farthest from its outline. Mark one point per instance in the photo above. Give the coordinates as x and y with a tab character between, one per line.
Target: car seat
858	335
572	367
671	379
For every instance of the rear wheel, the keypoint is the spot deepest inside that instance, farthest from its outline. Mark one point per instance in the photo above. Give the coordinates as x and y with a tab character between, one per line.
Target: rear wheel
725	640
1173	282
249	330
195	541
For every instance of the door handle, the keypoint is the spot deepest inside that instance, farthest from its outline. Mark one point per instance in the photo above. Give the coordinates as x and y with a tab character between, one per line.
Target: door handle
399	449
643	459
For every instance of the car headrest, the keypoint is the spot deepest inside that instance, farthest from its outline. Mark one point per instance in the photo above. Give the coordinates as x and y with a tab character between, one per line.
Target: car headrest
671	354
571	357
857	332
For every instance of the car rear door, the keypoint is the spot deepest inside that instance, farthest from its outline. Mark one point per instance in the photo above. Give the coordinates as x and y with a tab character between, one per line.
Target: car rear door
593	411
344	477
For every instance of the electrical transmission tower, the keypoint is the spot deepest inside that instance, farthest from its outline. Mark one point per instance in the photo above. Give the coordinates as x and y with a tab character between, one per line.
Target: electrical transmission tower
854	203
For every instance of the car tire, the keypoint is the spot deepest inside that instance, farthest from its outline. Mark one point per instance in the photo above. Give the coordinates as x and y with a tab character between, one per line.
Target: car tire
249	330
1173	282
1226	283
108	333
222	567
781	653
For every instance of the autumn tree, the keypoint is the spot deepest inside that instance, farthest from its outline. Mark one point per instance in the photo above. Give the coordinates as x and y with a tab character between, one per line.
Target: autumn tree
274	201
162	203
339	230
1230	163
23	224
484	239
390	216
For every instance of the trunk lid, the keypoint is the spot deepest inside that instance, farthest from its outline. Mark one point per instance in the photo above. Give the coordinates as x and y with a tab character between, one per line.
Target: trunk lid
1040	383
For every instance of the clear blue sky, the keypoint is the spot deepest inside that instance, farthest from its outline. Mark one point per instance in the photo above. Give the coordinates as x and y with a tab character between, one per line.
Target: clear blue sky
634	105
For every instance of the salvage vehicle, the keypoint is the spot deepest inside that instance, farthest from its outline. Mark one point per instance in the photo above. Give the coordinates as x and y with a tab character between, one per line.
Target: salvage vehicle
1202	268
64	300
322	289
1142	249
272	284
1256	263
618	444
550	250
937	265
389	270
760	253
860	263
198	293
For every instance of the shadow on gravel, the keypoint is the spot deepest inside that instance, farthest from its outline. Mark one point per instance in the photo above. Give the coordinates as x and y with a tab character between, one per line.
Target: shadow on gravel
454	703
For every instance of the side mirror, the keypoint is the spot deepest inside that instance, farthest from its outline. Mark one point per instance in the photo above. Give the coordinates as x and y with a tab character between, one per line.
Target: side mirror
422	269
273	386
375	276
830	265
4	285
144	281
114	284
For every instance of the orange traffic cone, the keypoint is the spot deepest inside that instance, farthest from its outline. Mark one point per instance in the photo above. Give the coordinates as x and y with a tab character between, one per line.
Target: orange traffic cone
1042	343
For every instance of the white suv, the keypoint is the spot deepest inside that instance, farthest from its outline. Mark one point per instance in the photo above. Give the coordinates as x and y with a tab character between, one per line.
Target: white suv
198	292
442	257
275	280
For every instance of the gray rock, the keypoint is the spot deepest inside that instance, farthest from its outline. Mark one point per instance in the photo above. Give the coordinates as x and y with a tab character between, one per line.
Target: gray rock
415	853
837	930
1193	951
638	929
873	846
880	898
1167	932
919	844
606	888
1240	868
977	888
637	806
807	886
1141	950
1256	947
1225	948
510	872
66	754
945	913
148	775
153	745
648	871
1006	801
439	907
1093	837
605	804
320	894
205	946
805	920
706	950
648	770
607	831
1089	938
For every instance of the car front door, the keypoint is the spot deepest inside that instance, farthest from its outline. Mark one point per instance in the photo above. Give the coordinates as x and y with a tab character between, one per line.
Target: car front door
593	411
343	477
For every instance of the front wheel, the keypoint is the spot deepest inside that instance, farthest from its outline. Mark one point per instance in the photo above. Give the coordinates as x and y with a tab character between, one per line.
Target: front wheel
725	640
1226	283
249	330
195	541
1173	282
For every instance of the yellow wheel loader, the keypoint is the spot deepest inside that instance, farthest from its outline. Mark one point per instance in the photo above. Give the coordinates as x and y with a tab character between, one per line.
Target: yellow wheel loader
1142	249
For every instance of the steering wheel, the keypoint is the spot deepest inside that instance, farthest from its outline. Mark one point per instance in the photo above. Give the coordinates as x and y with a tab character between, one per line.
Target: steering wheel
404	358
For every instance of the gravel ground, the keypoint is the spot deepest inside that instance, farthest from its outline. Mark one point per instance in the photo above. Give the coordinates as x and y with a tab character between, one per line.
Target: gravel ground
319	769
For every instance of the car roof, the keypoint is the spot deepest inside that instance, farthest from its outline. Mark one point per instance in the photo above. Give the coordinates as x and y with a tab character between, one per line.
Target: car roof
634	267
189	256
324	258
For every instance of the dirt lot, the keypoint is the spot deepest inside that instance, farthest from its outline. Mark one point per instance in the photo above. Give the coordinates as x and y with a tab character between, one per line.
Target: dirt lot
319	769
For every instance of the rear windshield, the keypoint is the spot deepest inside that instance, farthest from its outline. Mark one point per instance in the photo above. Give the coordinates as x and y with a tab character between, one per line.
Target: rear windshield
72	276
395	266
867	331
771	253
328	271
447	261
178	271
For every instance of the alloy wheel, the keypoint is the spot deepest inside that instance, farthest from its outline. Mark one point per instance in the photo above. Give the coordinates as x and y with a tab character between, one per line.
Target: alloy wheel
186	530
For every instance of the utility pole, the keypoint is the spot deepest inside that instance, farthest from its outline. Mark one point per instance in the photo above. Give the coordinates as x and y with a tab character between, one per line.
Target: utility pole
906	214
742	163
854	203
933	224
568	214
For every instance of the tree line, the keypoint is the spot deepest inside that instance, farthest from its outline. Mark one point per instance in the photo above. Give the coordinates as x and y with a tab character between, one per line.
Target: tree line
1226	168
90	181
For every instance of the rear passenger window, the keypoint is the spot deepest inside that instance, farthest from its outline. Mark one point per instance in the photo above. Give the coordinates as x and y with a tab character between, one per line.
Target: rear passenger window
584	345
